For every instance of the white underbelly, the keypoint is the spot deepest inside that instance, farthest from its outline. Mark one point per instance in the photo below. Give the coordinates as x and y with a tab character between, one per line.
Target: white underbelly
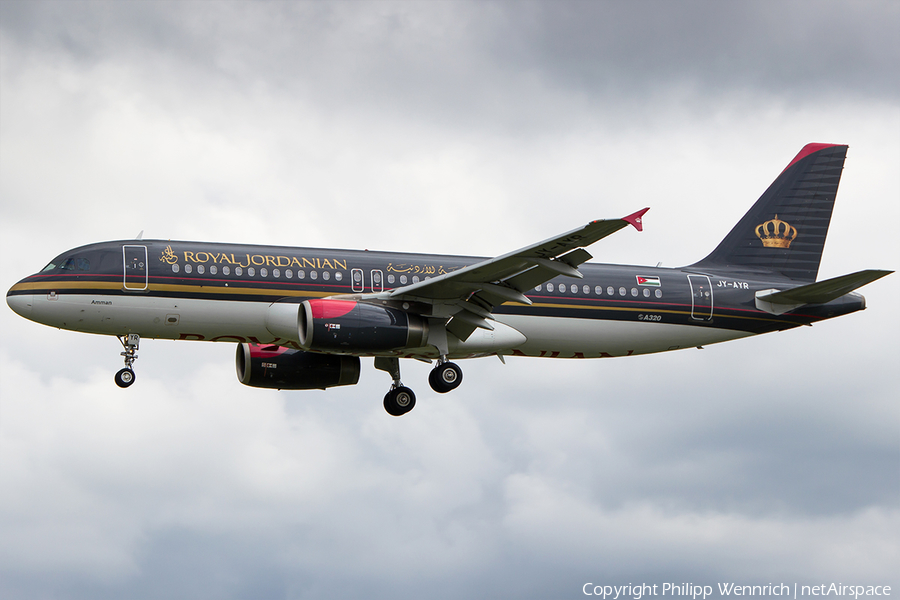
242	321
591	338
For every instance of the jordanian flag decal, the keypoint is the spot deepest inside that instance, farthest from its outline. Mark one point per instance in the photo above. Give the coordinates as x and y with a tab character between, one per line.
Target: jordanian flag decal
651	281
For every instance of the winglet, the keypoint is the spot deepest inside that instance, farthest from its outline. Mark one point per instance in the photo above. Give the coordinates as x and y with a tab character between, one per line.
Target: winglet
636	219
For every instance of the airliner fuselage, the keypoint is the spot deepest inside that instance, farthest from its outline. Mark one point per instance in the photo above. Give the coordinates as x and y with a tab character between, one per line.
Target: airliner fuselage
303	317
222	292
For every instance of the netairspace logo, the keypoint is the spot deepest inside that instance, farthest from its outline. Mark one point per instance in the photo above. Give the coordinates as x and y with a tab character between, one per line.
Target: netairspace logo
636	592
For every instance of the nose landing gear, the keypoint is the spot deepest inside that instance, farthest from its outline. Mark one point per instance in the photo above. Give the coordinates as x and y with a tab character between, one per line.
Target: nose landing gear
131	342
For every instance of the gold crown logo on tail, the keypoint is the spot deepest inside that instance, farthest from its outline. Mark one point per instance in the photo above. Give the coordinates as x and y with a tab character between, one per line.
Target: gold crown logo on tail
776	233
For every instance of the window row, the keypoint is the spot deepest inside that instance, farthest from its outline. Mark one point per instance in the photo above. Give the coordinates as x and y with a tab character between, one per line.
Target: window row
598	290
252	271
357	274
404	279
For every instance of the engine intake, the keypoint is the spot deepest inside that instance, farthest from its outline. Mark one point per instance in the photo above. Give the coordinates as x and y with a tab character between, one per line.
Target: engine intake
350	326
288	369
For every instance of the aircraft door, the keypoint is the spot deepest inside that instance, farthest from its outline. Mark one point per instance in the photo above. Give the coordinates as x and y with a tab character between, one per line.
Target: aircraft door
701	297
356	280
135	259
377	281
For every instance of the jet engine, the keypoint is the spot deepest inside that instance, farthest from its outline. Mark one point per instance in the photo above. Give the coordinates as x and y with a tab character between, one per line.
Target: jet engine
288	369
349	326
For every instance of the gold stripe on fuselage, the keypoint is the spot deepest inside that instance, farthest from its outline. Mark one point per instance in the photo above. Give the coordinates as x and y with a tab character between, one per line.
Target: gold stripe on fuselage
101	286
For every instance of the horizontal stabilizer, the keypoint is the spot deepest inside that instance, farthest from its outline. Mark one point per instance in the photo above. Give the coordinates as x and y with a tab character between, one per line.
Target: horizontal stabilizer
778	302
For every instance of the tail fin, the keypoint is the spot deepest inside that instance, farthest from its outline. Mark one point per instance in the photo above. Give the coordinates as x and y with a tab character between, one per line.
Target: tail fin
784	232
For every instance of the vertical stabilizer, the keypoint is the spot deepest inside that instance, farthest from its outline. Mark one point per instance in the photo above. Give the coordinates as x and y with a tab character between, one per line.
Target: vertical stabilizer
784	232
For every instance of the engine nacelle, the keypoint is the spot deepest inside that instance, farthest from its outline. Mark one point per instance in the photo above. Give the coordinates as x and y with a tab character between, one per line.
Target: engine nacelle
288	369
350	326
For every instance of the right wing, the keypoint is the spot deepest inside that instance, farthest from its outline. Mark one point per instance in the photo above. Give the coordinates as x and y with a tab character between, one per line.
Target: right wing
471	293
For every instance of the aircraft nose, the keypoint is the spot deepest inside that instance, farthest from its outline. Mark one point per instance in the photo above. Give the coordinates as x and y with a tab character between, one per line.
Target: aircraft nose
21	303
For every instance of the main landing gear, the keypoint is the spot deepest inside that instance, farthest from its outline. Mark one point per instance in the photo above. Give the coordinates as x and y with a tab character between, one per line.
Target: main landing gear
130	341
445	377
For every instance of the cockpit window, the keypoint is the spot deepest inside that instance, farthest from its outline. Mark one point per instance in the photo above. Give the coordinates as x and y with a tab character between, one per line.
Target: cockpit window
72	264
49	267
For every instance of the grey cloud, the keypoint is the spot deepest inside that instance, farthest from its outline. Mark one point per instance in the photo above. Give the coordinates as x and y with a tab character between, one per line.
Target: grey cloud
458	127
507	65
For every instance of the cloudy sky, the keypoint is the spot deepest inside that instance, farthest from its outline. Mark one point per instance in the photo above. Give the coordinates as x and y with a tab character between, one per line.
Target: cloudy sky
463	127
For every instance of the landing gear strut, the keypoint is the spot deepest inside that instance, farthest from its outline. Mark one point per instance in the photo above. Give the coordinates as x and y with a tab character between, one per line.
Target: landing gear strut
400	399
130	342
445	377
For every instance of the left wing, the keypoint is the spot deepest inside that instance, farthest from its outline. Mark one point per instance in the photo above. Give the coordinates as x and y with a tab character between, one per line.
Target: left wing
470	294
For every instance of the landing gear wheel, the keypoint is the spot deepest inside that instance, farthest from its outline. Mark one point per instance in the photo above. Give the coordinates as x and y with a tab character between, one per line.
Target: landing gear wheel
445	377
399	401
124	378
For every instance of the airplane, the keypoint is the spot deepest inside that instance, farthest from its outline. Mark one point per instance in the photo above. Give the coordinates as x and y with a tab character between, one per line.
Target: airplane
303	317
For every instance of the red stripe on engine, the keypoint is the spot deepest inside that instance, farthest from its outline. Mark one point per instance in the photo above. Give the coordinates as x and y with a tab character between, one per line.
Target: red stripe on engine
330	309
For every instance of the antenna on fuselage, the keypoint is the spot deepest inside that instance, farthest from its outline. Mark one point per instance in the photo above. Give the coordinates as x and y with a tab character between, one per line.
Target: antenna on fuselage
140	236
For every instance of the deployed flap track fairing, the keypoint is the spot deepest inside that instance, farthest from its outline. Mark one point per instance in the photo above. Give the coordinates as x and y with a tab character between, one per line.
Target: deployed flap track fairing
303	317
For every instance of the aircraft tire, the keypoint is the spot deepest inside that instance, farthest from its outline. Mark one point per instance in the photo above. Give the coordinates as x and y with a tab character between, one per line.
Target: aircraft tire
445	378
399	401
124	378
